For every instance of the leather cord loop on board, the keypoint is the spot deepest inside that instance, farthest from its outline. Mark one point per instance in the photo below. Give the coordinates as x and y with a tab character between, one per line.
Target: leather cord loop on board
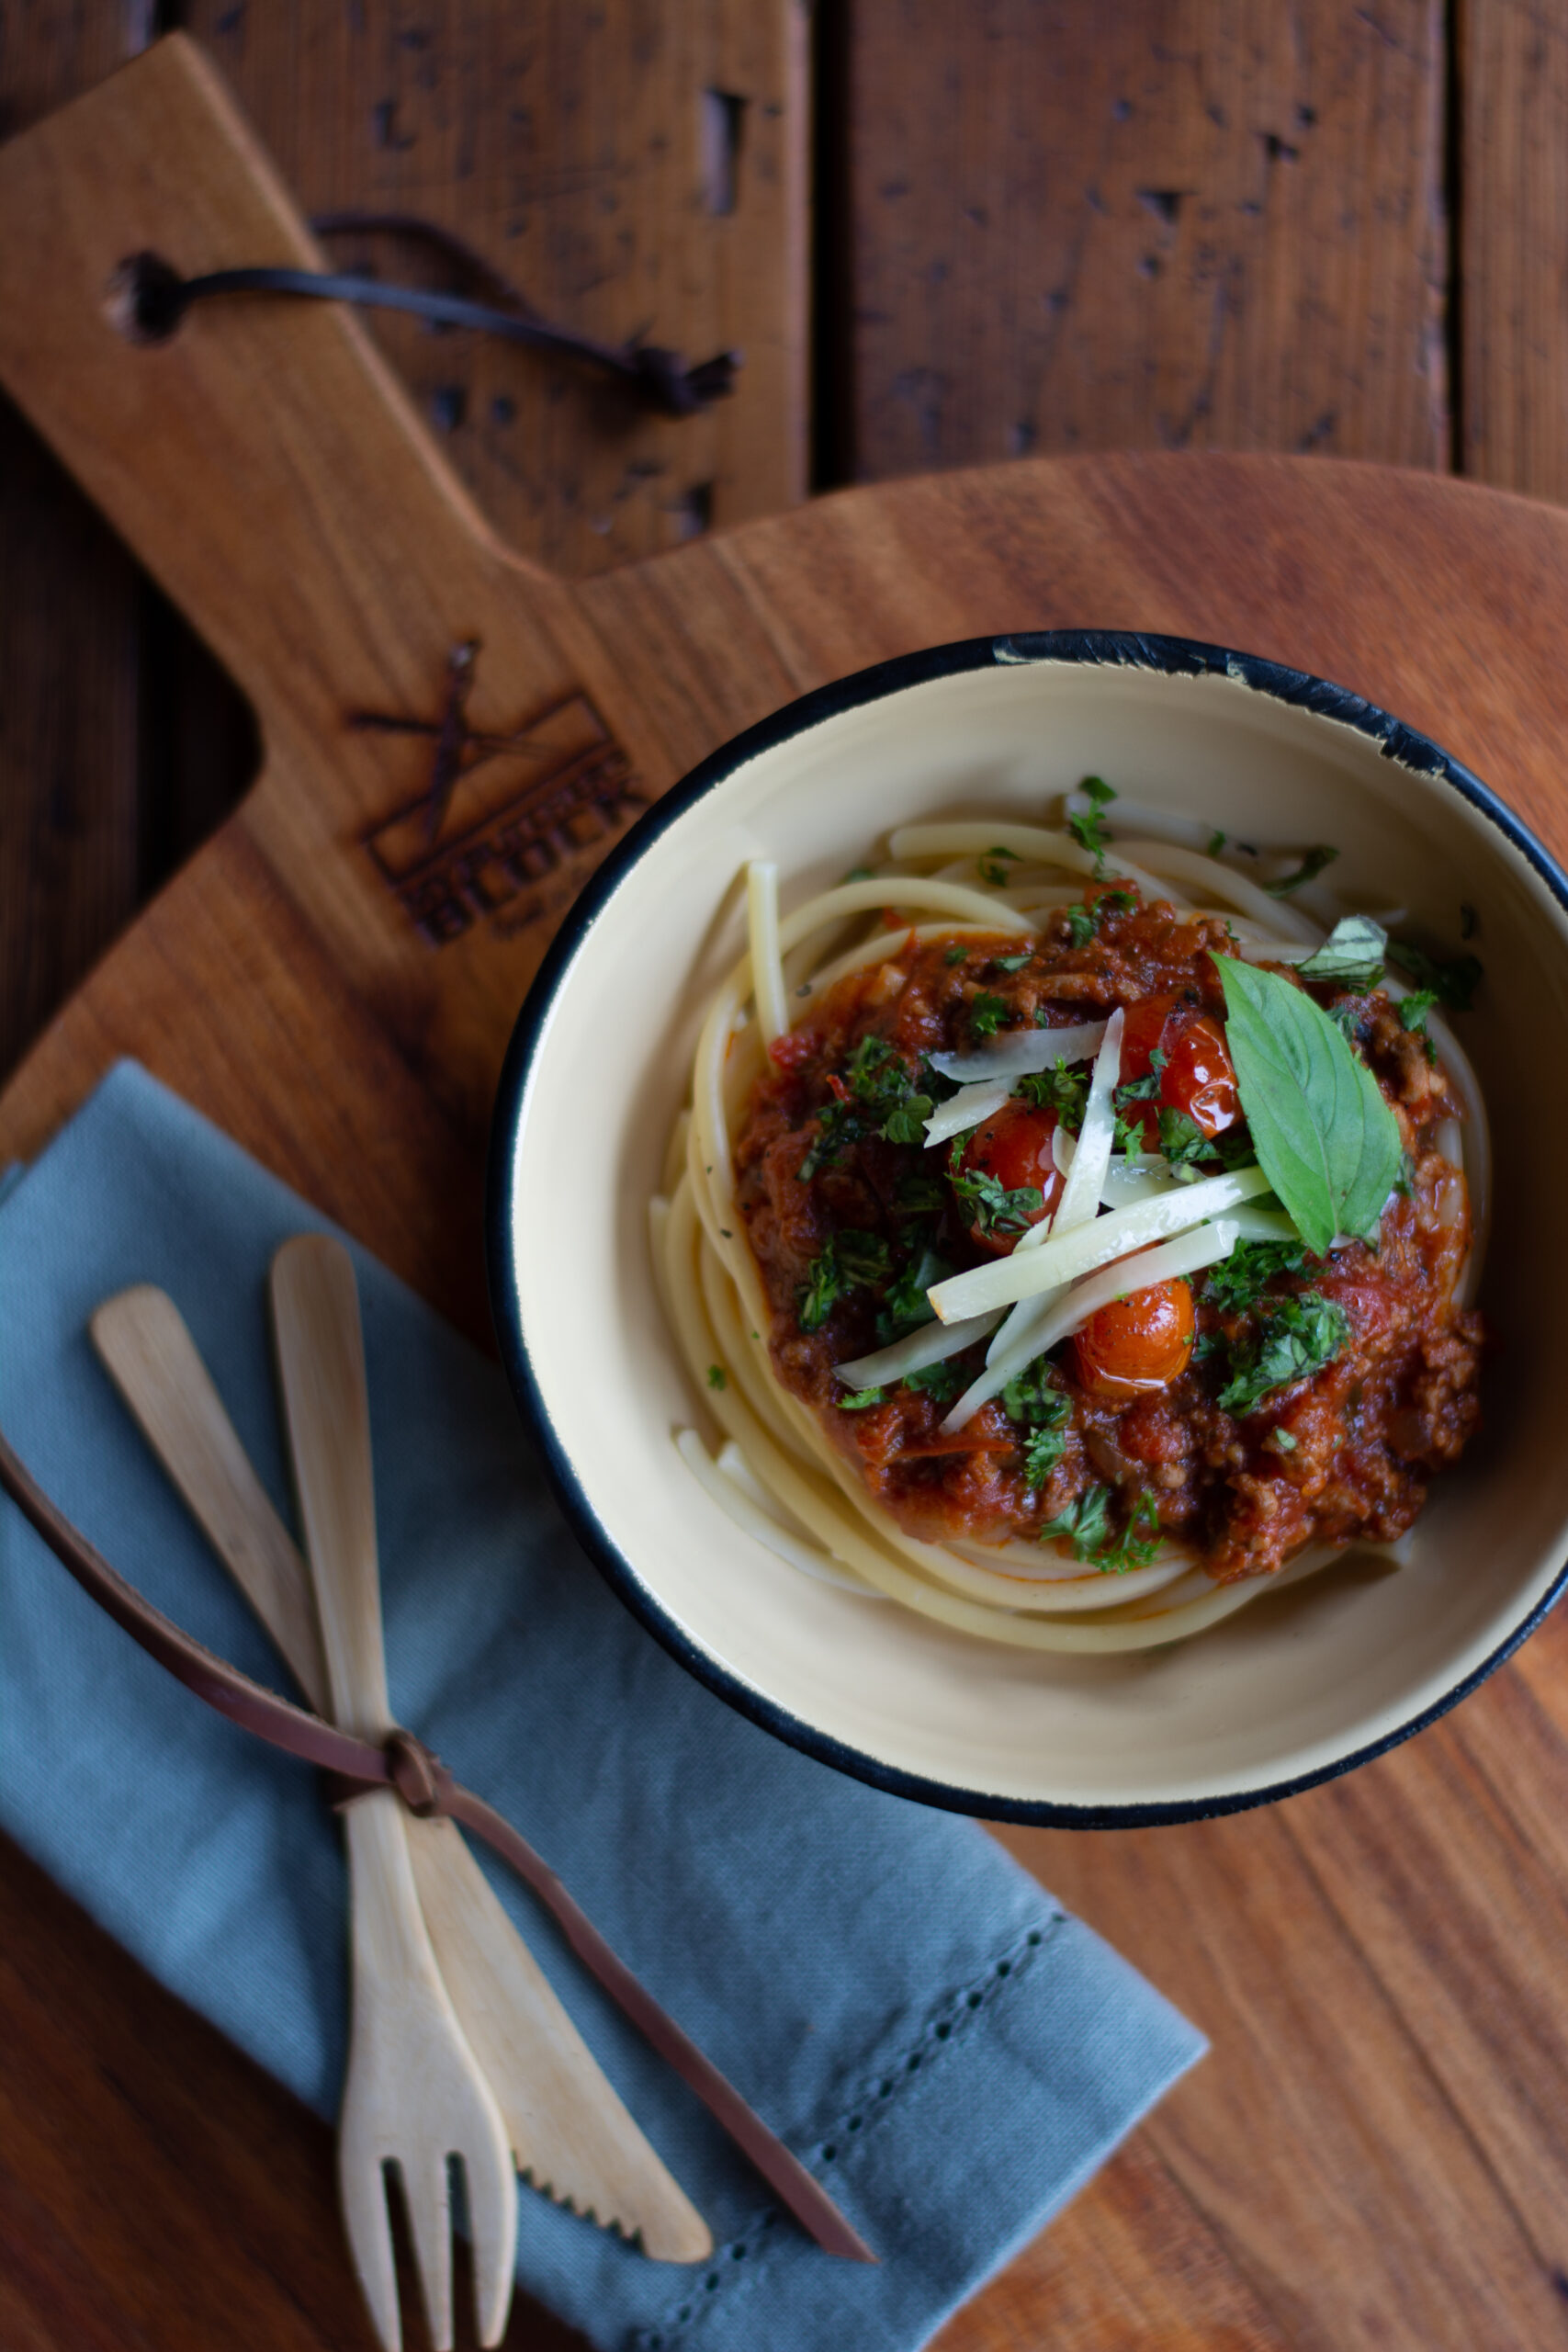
149	298
427	1788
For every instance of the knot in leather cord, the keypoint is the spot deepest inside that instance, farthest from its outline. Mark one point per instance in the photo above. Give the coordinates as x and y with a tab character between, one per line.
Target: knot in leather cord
419	1777
354	1767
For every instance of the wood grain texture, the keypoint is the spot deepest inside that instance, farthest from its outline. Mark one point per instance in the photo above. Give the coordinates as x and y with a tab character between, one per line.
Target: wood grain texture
1199	227
1512	80
113	766
635	169
1375	2152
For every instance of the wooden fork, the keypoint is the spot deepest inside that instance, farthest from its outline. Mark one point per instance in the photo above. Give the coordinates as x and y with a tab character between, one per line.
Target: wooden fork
414	2098
571	2134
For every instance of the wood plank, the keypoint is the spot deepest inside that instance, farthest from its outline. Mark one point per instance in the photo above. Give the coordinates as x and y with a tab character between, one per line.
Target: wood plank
69	844
1349	2161
634	169
1132	2263
1361	2209
1512	243
113	2099
69	864
1354	2163
1198	228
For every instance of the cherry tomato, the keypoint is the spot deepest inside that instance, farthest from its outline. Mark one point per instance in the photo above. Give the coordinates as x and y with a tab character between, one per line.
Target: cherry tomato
1136	1343
1013	1146
1198	1076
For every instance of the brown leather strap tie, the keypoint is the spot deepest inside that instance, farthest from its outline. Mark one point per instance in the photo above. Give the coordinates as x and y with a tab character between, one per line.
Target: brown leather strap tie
149	298
427	1788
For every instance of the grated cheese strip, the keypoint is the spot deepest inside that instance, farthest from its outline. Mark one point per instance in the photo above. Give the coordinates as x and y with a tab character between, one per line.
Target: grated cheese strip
762	933
1021	1051
932	1344
969	1108
1066	1255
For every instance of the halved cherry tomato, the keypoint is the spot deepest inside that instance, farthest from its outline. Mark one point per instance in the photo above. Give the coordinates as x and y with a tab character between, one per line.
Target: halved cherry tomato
1199	1076
1013	1146
1137	1343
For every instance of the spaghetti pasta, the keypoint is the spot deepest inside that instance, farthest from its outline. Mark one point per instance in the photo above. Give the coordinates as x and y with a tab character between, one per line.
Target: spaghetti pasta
989	895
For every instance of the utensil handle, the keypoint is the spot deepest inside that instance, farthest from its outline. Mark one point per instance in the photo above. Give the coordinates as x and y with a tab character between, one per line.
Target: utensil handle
320	1358
262	458
155	1363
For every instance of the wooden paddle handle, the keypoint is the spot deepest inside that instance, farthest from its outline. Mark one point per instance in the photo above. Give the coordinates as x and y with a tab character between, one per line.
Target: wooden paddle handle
449	745
263	460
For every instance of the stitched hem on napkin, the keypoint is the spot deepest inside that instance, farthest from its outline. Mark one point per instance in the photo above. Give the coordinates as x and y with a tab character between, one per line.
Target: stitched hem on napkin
817	1936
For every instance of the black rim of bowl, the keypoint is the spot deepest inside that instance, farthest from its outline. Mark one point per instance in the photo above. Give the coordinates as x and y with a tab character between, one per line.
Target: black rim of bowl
1171	657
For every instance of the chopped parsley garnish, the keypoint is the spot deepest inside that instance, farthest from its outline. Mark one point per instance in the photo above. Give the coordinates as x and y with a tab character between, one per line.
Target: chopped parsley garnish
717	1377
1281	1441
1452	980
1404	1182
993	866
874	1067
1088	826
874	1096
940	1382
1413	1012
993	1208
906	1123
1312	865
985	1013
1183	1142
855	874
1217	841
905	1306
1083	922
1043	1448
1061	1089
861	1401
918	1194
955	955
1143	1090
1236	1283
1013	962
1349	1017
1301	1334
1086	1525
849	1260
1046	1415
1352	954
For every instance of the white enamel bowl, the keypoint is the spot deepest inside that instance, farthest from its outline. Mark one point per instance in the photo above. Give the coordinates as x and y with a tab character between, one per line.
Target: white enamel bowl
1298	1685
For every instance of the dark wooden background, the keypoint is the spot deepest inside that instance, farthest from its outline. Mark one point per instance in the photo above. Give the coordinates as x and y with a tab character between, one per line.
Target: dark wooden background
1040	225
1003	228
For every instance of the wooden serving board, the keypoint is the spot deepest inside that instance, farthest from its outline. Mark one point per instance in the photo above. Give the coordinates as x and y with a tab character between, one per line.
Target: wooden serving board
1377	2151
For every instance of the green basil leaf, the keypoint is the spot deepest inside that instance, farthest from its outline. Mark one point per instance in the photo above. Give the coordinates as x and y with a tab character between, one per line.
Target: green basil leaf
1352	954
1327	1140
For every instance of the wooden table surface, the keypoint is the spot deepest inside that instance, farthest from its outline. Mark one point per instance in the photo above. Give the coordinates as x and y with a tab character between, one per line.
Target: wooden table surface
1328	229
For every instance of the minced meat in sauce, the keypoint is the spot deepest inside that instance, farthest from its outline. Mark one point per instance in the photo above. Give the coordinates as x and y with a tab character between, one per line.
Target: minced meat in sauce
850	1219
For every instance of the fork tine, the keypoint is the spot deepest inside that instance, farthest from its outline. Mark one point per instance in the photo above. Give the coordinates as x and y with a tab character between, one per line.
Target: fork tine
363	2189
492	2196
427	2193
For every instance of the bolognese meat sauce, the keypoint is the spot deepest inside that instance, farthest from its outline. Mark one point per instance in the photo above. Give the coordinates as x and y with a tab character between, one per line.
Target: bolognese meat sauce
1277	1398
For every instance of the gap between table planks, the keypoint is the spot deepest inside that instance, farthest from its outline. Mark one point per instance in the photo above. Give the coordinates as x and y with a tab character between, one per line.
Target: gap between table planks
1376	2150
